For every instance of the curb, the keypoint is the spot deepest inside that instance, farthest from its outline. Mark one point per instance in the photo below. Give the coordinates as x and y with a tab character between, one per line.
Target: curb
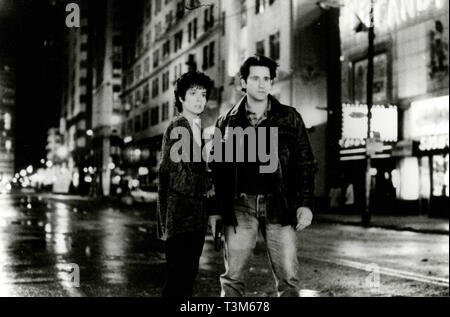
388	227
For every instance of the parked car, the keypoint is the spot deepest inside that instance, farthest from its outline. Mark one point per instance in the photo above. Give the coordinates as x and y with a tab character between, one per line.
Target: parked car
145	194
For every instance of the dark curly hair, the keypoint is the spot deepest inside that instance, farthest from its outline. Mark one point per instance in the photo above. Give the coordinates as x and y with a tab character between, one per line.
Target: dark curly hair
258	60
190	80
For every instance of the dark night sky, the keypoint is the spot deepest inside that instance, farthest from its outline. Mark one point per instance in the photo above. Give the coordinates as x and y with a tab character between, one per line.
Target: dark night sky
24	27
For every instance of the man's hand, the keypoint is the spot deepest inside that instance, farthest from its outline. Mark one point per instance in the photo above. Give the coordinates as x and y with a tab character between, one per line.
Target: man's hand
212	223
304	218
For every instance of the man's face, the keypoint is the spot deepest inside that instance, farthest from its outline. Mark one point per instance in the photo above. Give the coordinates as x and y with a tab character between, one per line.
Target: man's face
195	100
258	83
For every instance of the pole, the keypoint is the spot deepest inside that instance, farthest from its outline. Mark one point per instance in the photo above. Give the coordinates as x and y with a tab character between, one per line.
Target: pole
370	56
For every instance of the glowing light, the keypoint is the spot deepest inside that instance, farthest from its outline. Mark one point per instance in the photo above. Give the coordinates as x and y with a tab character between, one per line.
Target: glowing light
62	152
409	178
111	166
49	164
30	169
143	171
128	139
89	133
429	117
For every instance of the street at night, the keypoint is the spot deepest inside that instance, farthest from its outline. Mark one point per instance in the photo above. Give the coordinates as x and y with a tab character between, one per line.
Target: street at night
115	247
128	128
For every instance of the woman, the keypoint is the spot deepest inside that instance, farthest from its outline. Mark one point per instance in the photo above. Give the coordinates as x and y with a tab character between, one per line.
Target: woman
184	186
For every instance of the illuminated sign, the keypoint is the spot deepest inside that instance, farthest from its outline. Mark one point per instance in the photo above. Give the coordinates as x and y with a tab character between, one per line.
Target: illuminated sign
429	117
434	142
388	14
354	124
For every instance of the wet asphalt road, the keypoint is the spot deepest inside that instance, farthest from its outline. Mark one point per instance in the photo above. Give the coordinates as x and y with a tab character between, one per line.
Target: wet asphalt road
43	238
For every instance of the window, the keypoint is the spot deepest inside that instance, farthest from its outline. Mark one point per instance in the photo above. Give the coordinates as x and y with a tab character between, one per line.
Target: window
194	29
260	48
189	32
156	58
158	30
130	77
165	83
116	93
275	46
178	40
205	57
148	12
145	120
208	18
243	13
147	66
166	50
180	9
260	6
157	6
138	98
165	112
146	94
155	116
209	55
137	124
117	69
212	47
147	39
138	72
130	126
169	20
155	87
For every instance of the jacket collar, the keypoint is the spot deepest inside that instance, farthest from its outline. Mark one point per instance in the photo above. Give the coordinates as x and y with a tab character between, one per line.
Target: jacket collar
240	106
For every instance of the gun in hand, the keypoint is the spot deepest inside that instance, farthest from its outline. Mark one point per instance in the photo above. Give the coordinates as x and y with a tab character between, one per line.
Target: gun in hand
218	236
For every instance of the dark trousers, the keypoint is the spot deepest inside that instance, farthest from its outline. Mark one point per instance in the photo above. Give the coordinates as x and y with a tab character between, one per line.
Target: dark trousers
183	253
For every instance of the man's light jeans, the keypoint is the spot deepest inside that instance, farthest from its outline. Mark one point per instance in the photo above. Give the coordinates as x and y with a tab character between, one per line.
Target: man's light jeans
281	243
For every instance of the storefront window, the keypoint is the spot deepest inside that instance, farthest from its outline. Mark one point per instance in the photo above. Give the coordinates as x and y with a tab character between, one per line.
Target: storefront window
440	176
425	187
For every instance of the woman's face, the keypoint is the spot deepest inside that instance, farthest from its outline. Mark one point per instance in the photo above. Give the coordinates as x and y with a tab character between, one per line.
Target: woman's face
195	100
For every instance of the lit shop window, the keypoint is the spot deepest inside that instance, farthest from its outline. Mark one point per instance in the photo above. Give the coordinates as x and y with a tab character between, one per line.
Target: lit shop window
440	176
409	173
7	121
8	145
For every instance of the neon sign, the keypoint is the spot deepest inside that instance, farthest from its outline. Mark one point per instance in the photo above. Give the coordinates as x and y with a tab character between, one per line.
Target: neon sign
388	14
354	124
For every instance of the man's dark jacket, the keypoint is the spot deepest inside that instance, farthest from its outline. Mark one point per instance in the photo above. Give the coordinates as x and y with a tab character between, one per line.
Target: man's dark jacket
292	185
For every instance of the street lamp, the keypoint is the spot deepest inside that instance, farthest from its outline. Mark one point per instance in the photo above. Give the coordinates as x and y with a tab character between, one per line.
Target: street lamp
361	27
370	57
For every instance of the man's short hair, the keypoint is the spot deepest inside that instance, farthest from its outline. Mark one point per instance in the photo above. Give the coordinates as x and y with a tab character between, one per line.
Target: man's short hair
258	60
189	80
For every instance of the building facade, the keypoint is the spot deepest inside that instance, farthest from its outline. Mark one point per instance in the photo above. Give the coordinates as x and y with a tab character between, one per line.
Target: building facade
167	38
410	171
7	114
106	105
76	110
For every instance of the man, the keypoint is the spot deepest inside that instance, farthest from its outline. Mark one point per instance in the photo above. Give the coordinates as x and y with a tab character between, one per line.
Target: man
277	203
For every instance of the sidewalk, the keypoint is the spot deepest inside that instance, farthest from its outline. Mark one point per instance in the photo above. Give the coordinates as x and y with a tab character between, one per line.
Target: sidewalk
421	224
